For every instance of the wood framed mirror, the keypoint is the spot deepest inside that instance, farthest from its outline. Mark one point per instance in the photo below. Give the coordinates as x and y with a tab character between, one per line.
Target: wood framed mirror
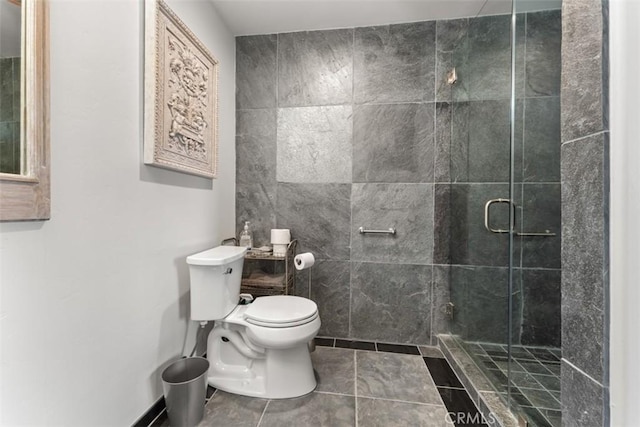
24	180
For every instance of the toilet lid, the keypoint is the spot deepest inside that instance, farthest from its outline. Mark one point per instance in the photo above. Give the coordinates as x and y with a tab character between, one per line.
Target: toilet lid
281	310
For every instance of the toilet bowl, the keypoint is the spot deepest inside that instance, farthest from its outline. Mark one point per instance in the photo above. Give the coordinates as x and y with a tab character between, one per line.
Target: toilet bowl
258	349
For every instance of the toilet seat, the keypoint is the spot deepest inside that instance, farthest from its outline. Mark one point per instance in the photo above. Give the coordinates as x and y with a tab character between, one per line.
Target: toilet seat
281	311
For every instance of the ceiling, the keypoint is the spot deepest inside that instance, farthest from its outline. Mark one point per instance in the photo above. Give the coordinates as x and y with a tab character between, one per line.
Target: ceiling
249	17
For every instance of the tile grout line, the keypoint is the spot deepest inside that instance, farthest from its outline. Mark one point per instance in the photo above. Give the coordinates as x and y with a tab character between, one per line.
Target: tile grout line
437	405
264	411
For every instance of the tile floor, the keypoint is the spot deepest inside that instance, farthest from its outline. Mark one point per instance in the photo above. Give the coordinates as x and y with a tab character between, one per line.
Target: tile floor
359	383
535	378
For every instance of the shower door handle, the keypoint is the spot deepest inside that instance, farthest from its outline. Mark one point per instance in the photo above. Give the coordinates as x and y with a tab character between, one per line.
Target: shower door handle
512	220
487	215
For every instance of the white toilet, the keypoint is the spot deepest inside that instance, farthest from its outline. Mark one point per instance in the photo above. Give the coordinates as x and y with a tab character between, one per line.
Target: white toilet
258	349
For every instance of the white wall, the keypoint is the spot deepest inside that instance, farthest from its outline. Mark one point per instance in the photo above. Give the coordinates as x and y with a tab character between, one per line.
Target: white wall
94	302
625	212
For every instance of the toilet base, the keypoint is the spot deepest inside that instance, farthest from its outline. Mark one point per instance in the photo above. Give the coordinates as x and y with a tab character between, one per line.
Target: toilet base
251	371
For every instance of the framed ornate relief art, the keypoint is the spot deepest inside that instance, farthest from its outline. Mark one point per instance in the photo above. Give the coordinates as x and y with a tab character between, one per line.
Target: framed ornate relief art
180	96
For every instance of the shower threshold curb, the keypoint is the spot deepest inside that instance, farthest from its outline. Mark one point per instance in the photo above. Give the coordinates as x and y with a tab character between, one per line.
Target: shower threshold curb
487	400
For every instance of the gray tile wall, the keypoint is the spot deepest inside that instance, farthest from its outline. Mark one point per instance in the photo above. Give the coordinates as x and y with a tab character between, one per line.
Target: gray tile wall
355	127
10	115
336	132
585	193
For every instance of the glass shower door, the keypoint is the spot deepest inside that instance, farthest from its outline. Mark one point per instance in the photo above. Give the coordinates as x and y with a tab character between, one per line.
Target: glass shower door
502	190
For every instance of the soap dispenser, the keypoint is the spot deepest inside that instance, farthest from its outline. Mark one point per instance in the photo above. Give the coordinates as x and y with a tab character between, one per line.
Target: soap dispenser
245	237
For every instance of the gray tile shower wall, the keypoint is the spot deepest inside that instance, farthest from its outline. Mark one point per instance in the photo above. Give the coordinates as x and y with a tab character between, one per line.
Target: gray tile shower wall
345	128
585	194
393	142
394	63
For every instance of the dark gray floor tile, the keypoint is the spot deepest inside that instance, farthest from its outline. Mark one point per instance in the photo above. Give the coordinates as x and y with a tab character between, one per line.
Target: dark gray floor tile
534	367
498	378
554	417
549	382
544	354
398	348
554	368
441	372
385	413
335	370
519	398
458	401
395	376
433	352
513	367
525	380
356	345
535	417
519	352
541	398
225	409
489	364
324	342
493	348
315	409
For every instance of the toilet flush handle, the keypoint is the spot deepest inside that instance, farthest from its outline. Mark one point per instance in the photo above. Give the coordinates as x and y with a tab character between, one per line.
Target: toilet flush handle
228	271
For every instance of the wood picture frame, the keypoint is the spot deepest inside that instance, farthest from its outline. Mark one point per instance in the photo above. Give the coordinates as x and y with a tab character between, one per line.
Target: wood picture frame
27	196
180	96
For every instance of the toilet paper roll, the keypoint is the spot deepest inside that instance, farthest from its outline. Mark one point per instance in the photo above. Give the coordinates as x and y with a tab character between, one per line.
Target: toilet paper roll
280	249
280	236
304	261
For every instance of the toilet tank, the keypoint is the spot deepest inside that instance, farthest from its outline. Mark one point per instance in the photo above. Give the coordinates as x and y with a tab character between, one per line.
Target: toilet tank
215	277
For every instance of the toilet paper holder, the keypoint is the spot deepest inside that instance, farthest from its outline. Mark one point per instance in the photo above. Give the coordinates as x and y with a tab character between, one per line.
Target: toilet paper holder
391	231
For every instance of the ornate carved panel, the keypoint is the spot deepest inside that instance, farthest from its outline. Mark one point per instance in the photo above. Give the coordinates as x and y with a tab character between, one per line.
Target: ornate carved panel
181	78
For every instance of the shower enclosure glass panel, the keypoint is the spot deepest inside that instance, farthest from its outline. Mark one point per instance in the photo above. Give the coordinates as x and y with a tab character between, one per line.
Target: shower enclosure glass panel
502	192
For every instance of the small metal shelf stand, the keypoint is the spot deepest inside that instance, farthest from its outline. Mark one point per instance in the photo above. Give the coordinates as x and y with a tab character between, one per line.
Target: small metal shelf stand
258	283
